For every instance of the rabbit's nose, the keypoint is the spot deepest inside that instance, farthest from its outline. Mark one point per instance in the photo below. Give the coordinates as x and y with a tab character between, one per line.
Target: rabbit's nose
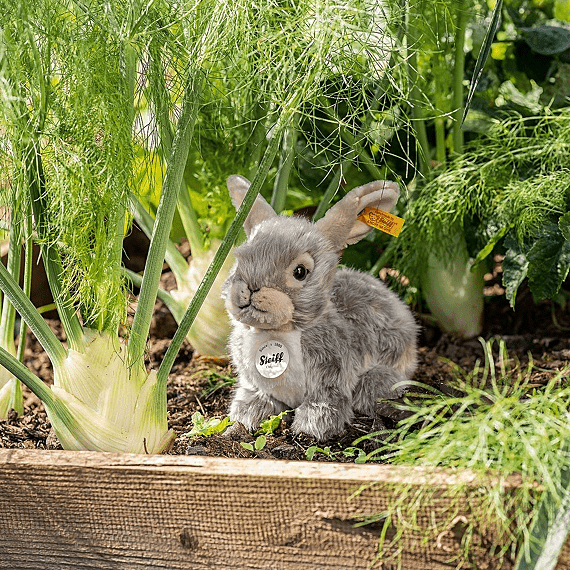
242	295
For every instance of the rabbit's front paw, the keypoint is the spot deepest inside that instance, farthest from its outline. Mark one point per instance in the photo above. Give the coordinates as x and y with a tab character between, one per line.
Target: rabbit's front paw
250	407
320	419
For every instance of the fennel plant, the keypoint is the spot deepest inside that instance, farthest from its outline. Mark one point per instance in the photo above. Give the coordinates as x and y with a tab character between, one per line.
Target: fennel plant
508	194
69	117
435	61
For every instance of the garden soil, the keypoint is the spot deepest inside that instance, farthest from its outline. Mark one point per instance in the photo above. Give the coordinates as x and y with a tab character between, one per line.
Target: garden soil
200	384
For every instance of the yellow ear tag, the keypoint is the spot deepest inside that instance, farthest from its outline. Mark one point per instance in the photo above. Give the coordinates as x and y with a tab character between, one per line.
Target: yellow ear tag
382	220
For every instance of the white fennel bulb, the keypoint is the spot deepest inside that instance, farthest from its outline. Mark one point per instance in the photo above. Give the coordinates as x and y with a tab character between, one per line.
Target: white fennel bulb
10	394
113	406
453	290
211	328
10	390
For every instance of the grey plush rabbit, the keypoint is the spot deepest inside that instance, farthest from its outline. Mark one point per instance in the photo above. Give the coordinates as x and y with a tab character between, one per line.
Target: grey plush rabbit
307	335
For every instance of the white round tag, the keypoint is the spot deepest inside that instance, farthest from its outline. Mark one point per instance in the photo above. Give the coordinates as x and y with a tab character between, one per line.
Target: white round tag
272	359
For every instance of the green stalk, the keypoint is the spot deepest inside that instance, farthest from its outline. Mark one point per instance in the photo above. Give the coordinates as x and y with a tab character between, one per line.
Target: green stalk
458	73
160	99
163	295
419	122
222	253
173	257
415	92
8	317
30	314
440	138
50	257
286	161
12	399
164	217
43	103
190	221
439	69
39	388
28	259
258	138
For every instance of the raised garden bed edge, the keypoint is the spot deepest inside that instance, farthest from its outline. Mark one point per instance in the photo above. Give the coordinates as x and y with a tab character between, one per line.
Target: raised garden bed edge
77	510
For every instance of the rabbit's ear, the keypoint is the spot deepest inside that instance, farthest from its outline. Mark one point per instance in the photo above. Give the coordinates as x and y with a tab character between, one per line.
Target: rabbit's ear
261	210
340	225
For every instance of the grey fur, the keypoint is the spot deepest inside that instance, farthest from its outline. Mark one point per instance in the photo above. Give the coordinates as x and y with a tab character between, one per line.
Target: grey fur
350	339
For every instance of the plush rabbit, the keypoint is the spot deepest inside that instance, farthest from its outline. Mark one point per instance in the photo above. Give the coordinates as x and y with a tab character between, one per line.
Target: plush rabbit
307	335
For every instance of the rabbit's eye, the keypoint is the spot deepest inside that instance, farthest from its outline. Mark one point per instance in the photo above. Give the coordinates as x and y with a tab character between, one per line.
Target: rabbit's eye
300	272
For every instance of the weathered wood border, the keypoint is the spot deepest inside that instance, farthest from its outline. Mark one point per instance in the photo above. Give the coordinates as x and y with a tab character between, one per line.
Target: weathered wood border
78	510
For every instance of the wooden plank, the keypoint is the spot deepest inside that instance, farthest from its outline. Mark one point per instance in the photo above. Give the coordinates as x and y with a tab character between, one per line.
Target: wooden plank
78	510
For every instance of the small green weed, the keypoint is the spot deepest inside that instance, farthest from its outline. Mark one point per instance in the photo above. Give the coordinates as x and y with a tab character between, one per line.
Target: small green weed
215	381
267	427
207	427
359	454
258	445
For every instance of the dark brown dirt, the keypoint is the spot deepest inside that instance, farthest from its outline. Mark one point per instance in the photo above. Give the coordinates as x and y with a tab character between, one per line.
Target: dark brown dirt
203	385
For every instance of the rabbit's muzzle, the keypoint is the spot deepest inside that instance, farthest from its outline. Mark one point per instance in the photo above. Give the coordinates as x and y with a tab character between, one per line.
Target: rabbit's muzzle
264	308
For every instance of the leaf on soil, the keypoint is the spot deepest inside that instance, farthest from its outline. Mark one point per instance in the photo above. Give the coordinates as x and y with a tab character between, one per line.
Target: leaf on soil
271	424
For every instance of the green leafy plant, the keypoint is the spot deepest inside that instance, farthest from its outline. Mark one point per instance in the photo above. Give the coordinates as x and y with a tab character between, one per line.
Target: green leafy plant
206	427
360	456
268	426
314	449
507	196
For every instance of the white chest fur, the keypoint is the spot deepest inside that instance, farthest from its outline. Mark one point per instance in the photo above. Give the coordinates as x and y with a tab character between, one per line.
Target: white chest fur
289	387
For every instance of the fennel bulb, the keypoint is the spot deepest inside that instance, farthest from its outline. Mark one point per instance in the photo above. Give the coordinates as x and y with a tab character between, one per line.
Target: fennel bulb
115	406
10	394
210	331
453	290
10	388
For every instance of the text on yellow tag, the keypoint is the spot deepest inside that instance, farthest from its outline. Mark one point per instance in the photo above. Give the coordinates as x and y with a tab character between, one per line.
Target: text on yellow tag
382	220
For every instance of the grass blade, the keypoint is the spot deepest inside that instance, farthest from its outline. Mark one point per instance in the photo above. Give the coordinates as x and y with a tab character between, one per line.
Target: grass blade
483	55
